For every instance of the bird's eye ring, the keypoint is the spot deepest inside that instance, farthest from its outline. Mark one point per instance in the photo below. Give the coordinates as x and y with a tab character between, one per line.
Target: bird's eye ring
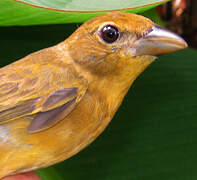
109	33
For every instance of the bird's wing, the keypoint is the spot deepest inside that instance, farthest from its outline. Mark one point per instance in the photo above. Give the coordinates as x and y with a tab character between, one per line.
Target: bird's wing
48	91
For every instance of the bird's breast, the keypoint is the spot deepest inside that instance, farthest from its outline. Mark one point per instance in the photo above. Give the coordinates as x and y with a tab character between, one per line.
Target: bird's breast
22	152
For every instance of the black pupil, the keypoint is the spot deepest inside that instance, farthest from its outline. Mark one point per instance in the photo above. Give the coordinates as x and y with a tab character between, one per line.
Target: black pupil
109	34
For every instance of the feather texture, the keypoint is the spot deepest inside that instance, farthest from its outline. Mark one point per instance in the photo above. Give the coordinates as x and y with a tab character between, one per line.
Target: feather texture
26	91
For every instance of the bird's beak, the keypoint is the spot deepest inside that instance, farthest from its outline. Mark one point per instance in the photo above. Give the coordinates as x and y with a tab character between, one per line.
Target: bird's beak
157	41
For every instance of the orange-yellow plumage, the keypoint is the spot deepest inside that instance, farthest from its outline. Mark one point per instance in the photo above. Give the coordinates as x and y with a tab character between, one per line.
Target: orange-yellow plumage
90	69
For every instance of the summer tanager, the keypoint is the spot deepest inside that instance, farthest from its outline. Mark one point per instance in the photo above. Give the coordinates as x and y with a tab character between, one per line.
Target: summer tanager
56	101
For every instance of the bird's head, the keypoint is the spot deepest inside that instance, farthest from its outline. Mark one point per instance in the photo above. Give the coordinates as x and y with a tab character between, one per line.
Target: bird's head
110	43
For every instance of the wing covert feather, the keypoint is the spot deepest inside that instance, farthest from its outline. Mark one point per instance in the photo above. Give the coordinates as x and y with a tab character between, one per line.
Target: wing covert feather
28	88
45	120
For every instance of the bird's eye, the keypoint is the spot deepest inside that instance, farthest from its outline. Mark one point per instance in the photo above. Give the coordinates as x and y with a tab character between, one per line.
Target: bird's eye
109	33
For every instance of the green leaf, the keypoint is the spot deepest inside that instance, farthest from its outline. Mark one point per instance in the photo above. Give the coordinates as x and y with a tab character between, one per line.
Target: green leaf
90	5
34	12
50	173
151	137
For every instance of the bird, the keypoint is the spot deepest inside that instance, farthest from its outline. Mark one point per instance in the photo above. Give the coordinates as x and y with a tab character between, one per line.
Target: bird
56	101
